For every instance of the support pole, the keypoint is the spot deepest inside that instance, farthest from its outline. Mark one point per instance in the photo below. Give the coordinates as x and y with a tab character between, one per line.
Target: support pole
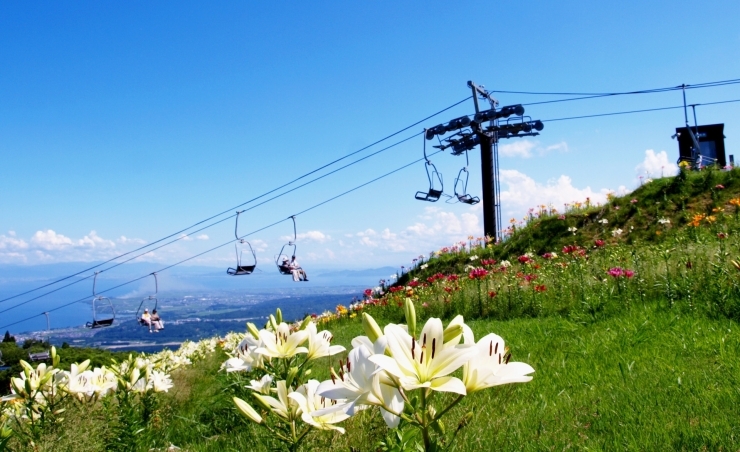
488	174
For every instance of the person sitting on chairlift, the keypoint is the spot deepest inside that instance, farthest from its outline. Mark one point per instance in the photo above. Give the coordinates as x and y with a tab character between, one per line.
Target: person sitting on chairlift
146	319
157	322
298	273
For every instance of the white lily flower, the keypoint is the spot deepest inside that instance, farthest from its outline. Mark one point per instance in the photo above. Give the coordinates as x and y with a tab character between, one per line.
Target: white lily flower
492	367
262	386
236	365
282	343
319	344
425	363
360	384
159	381
283	406
313	407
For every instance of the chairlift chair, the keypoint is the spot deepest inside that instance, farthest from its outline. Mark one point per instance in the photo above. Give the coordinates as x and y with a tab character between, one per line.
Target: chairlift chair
149	298
462	182
99	305
435	180
239	248
282	257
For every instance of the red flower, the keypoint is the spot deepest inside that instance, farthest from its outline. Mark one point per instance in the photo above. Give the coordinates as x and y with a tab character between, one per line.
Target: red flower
530	278
368	292
540	288
492	294
413	283
452	278
478	273
721	235
395	289
599	243
524	259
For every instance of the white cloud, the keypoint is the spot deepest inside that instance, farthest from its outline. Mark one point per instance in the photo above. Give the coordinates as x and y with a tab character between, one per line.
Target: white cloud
50	240
519	148
656	165
202	237
311	236
9	242
125	240
523	192
526	148
93	240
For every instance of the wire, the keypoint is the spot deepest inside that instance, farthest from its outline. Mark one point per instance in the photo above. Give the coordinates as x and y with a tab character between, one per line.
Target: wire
229	242
219	221
652	90
635	111
236	207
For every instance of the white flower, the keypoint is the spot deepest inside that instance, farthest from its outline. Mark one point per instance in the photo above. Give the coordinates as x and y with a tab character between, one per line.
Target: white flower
472	258
604	221
424	266
319	344
236	365
424	363
362	385
314	407
262	386
283	406
505	264
159	381
617	232
664	221
492	367
282	343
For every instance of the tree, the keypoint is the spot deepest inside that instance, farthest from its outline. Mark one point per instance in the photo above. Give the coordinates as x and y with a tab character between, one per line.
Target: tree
8	337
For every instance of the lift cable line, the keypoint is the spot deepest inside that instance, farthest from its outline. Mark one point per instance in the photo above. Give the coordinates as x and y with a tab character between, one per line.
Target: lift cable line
619	93
235	207
230	241
214	223
639	111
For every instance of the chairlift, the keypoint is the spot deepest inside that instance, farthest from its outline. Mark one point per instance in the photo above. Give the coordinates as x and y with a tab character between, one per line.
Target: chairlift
150	298
436	187
46	354
282	257
462	182
100	305
239	248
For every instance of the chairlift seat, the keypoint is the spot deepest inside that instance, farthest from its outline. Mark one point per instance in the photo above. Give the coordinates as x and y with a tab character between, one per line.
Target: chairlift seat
99	323
431	196
467	199
40	356
241	270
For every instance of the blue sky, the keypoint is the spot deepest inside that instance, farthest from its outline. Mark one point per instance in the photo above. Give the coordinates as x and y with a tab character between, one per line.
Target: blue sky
122	123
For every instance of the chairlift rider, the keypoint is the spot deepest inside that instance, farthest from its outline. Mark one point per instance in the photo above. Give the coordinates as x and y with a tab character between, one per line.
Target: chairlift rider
146	318
290	267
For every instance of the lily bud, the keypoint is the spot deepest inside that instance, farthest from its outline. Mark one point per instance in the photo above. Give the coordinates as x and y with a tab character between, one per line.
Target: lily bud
252	328
292	373
408	309
452	331
261	401
273	323
279	315
305	323
372	330
247	410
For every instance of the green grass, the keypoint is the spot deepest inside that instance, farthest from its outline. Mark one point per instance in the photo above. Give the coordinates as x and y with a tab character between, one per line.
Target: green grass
641	363
648	379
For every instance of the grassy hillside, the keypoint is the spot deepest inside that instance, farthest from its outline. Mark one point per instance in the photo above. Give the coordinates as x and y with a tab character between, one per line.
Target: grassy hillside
633	336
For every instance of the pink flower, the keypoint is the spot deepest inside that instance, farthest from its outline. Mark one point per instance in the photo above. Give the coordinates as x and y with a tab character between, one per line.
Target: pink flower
719	187
616	272
633	201
629	273
598	243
